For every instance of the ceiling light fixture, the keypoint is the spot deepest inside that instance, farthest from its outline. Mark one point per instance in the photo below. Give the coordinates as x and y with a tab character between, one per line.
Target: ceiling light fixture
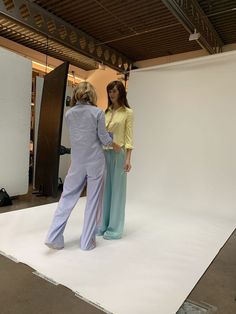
40	66
195	36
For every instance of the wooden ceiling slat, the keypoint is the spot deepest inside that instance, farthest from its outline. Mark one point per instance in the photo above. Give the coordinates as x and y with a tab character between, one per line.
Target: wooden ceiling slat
162	20
214	6
126	16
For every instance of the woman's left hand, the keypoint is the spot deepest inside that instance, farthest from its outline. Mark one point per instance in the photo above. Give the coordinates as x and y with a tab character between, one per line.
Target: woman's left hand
127	166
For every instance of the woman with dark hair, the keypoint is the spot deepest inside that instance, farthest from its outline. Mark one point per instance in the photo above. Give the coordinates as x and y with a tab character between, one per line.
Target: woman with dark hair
119	122
86	125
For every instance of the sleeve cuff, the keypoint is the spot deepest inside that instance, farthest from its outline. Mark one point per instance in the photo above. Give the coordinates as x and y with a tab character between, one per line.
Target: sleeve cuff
128	146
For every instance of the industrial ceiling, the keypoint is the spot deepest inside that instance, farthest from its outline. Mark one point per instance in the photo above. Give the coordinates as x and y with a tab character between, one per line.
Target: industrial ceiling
118	32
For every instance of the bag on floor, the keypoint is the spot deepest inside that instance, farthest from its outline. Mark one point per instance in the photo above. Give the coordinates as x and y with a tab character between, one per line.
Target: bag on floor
4	198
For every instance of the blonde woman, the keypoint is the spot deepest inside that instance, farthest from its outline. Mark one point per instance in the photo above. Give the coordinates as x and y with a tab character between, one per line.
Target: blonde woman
86	125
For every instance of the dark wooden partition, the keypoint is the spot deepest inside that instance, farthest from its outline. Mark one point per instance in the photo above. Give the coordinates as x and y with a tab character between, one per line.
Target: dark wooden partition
49	132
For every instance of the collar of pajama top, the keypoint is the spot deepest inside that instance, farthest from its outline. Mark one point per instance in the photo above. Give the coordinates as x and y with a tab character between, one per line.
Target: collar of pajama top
121	126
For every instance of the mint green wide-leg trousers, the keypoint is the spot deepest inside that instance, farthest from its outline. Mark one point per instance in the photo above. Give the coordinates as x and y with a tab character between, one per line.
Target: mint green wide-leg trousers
114	199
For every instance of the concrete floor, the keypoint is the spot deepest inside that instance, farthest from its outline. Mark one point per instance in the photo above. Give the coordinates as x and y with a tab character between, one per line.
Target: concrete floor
22	292
218	285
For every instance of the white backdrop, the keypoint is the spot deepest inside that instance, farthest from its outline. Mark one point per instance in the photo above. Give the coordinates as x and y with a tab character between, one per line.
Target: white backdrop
185	126
15	110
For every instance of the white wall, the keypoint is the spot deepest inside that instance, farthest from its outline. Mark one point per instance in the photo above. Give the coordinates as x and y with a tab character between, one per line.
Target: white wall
15	116
185	126
171	58
38	99
100	79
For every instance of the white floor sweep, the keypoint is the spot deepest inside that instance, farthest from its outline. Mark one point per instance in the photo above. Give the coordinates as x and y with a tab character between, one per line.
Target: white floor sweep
181	205
151	270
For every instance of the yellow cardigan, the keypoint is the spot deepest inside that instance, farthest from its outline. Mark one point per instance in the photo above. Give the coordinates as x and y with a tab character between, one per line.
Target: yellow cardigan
120	124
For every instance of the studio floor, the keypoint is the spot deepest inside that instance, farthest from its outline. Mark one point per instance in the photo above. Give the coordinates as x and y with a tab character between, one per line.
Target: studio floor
22	292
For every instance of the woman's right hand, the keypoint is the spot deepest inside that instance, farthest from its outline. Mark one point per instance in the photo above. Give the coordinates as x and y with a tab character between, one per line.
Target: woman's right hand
116	147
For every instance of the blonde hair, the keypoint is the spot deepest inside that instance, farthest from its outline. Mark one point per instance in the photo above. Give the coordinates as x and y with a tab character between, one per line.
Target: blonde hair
84	92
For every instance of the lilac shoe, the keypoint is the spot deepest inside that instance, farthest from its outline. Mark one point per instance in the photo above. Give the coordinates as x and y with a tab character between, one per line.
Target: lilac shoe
54	246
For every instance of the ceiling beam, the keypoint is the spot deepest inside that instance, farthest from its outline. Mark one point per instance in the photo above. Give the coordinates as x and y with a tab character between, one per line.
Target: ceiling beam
193	18
46	24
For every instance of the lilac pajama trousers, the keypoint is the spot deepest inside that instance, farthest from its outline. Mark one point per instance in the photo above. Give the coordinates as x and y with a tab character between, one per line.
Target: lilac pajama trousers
93	173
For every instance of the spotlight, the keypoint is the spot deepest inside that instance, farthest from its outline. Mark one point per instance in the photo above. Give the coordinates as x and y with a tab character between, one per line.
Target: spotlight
194	36
101	66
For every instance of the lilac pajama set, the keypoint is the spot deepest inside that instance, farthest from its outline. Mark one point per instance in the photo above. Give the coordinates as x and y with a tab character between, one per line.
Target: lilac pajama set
86	124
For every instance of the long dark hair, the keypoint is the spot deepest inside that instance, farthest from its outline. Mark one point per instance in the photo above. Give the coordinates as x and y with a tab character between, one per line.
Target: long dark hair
122	100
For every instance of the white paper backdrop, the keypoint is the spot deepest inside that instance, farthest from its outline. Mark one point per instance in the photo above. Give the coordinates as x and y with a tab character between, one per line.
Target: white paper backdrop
185	126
